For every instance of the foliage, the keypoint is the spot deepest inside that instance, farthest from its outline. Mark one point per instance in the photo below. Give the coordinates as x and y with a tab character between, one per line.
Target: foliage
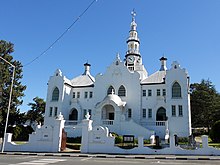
215	132
6	71
37	111
118	138
147	141
73	146
183	140
215	145
205	104
20	132
77	139
199	131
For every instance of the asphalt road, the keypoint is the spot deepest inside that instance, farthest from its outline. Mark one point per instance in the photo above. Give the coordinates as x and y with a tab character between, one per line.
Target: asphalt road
54	160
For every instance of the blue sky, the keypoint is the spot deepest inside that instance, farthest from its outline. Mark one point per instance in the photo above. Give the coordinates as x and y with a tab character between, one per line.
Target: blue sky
187	31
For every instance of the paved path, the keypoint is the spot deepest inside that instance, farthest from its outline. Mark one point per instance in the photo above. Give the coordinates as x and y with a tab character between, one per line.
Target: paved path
159	157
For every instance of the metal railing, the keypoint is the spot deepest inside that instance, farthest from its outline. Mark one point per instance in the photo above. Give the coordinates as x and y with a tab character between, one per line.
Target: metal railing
107	122
71	122
156	123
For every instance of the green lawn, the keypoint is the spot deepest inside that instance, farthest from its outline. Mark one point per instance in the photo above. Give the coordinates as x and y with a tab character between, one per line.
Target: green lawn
216	145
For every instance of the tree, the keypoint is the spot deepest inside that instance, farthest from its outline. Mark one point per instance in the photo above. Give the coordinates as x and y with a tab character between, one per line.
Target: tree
6	49
36	113
215	132
205	103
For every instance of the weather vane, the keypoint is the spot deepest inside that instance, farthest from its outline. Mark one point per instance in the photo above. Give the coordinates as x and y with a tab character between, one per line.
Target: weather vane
133	13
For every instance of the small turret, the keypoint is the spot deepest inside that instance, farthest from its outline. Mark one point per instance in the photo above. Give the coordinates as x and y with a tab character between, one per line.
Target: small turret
87	69
163	63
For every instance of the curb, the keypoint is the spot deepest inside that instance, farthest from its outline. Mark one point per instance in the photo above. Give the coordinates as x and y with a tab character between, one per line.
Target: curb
169	157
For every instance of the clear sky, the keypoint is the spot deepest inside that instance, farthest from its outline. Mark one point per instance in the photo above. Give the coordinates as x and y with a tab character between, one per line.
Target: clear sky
187	31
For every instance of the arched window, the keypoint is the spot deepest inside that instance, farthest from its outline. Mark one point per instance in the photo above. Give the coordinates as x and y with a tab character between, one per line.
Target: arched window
121	91
161	114
176	90
110	90
73	115
55	94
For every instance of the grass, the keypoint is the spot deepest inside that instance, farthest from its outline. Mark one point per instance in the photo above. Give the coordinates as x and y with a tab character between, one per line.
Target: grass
216	145
211	144
20	142
74	146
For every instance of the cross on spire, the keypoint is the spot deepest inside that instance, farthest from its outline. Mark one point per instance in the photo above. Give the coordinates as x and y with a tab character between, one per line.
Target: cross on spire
133	13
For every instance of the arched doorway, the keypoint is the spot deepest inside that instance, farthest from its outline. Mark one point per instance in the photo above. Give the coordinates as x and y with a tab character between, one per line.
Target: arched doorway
108	112
161	114
73	115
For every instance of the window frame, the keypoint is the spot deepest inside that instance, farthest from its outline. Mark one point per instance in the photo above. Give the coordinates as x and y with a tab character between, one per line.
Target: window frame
150	113
173	113
158	92
51	112
109	90
78	95
149	92
122	91
180	109
164	92
144	93
144	113
129	113
55	111
90	94
176	90
85	94
55	94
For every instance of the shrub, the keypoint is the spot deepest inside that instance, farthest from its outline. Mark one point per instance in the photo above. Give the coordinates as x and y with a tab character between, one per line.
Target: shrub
118	139
183	139
74	139
146	141
73	146
20	133
200	131
215	132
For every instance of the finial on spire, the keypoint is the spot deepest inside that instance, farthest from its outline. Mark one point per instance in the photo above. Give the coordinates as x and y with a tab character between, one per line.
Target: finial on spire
133	13
118	56
112	92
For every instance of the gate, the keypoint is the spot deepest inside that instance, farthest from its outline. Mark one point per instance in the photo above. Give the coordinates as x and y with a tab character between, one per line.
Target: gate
63	141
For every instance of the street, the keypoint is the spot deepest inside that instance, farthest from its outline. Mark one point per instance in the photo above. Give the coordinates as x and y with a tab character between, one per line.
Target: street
55	160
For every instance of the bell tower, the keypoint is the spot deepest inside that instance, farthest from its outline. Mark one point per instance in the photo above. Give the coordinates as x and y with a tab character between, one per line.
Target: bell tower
133	57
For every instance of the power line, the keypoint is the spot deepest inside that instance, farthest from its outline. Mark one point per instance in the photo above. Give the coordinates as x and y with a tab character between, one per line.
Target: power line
61	36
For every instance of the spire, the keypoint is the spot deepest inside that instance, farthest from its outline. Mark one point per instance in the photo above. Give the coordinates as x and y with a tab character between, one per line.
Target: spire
133	41
118	57
87	69
133	23
133	13
163	63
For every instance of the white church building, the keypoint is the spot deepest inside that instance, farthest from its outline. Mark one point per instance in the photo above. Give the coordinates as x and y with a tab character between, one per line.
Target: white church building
125	98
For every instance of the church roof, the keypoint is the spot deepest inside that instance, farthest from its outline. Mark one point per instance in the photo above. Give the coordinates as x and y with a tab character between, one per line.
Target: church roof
83	81
155	78
111	98
116	99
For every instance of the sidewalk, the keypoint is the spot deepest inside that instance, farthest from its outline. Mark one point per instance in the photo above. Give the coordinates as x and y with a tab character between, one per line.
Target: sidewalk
77	154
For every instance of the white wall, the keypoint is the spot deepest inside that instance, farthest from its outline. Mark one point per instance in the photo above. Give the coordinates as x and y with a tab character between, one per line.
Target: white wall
98	140
46	138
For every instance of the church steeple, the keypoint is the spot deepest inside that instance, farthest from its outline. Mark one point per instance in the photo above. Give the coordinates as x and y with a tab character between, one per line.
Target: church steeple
133	56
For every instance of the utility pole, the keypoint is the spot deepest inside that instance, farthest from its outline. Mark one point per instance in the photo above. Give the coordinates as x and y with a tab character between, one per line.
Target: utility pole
9	102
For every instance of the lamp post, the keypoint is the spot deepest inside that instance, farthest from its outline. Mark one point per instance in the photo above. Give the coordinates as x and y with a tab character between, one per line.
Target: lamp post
9	103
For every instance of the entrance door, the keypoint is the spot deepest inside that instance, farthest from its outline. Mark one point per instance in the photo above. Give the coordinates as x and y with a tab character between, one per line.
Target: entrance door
63	141
73	115
161	114
108	112
111	116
